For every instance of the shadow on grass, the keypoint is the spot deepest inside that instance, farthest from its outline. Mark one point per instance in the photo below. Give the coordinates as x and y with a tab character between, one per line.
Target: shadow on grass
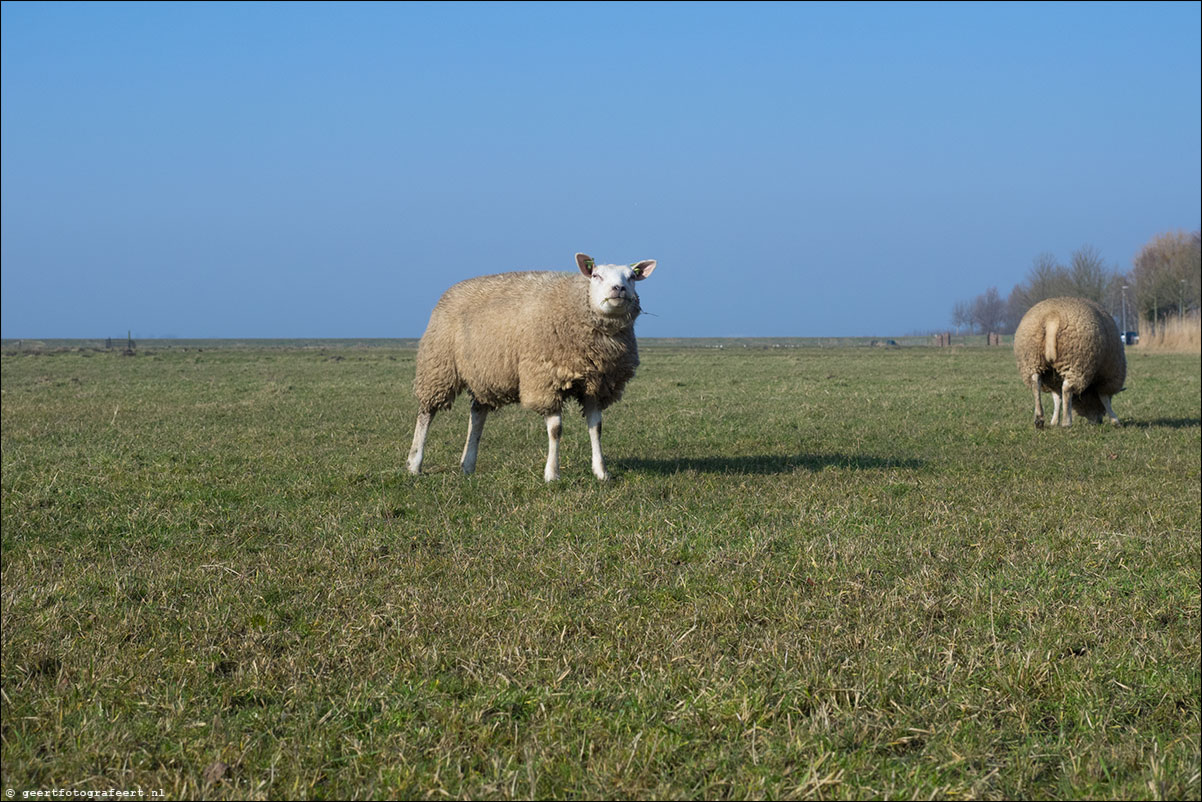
1164	423
765	464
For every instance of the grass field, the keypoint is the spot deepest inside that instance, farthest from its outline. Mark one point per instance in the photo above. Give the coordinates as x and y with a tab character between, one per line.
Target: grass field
817	573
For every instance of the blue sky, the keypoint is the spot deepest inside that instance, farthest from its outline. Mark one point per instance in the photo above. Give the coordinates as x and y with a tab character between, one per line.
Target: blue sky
326	170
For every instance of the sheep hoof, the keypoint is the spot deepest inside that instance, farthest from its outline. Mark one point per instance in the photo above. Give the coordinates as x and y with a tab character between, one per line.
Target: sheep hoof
1039	423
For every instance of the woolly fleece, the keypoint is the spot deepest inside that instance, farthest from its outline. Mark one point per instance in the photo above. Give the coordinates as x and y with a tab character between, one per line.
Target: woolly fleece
528	337
1073	345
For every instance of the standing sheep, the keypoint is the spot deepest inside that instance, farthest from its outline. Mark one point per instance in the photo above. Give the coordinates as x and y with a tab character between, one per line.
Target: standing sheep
536	338
1071	347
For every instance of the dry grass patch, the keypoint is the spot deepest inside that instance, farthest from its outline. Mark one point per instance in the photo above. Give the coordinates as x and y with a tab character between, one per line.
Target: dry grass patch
1174	335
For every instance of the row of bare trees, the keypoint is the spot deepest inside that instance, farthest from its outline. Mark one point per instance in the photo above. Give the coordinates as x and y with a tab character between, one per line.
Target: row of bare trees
1165	280
1167	277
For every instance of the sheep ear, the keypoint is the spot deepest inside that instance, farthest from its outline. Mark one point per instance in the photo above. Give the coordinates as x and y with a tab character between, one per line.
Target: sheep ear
585	263
643	269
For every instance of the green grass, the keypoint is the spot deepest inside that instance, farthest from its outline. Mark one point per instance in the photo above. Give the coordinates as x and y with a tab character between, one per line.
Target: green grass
818	573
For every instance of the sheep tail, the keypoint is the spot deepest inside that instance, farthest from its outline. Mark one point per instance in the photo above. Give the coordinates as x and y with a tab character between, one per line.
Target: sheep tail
1050	328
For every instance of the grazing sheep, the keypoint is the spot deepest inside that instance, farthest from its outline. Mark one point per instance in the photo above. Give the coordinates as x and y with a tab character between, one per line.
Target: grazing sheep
536	338
1071	347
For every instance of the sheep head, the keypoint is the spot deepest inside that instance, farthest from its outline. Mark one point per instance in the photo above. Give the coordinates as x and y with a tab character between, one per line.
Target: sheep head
611	290
1089	405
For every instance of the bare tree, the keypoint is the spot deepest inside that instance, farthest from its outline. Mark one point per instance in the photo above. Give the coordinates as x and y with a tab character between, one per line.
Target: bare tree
1016	307
962	315
1166	276
1047	278
989	311
1088	274
1114	299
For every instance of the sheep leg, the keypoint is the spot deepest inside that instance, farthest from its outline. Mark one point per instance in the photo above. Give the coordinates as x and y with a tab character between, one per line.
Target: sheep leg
1114	419
554	430
475	427
419	441
592	415
1055	408
1066	403
1038	401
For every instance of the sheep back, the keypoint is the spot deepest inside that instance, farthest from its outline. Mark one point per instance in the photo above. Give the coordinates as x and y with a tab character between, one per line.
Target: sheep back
1071	340
528	338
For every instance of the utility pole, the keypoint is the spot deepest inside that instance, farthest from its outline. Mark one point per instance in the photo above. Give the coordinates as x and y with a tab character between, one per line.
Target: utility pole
1124	313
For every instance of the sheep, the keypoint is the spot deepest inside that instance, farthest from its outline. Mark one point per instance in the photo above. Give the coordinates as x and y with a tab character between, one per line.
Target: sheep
1071	347
535	338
